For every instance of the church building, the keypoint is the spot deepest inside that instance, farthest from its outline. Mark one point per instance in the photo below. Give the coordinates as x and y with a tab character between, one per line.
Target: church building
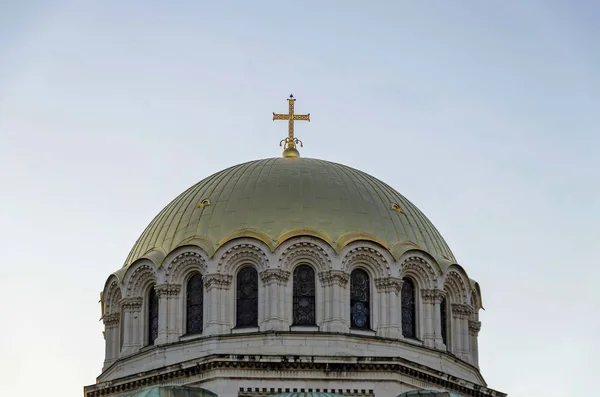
291	276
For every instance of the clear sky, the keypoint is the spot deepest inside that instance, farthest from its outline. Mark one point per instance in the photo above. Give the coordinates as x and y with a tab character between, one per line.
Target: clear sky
484	114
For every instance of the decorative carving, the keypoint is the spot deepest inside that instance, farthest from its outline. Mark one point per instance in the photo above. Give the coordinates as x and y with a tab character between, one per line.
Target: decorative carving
337	277
185	261
243	253
456	287
369	256
434	296
132	304
217	280
274	275
170	290
139	277
420	269
305	250
474	327
111	320
460	310
388	284
112	296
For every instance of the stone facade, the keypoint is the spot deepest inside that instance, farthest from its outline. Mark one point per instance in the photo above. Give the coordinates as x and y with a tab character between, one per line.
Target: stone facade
329	355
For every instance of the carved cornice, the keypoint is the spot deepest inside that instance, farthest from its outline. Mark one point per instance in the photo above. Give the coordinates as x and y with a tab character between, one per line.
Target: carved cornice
184	261
434	296
111	320
460	310
274	276
474	327
243	253
217	280
150	378
167	290
133	303
334	277
418	268
388	284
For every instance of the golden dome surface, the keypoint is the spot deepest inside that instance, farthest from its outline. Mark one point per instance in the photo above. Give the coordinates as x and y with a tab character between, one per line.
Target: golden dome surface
278	198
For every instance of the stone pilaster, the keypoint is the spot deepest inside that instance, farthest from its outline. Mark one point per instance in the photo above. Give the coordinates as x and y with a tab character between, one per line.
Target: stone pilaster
461	314
388	289
168	329
132	327
432	335
274	316
219	303
334	283
111	335
474	328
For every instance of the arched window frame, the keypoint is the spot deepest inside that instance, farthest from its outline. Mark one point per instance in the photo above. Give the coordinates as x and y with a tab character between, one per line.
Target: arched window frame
246	300
408	310
360	319
304	295
152	314
194	305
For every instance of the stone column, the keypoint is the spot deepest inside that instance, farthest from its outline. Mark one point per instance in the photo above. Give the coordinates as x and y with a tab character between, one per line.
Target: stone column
334	282
274	318
132	338
432	335
474	328
388	290
168	327
111	337
219	303
462	313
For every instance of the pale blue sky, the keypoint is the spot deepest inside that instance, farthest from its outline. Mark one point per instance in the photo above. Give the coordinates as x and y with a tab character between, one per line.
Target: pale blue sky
484	114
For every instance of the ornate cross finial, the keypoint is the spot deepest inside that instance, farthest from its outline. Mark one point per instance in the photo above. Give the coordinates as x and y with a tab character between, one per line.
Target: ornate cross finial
289	143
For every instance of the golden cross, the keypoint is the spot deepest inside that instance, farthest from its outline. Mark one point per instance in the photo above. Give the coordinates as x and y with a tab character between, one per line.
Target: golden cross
289	143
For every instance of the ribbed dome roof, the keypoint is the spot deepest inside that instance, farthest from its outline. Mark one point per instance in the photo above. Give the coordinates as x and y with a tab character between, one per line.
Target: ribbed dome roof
278	198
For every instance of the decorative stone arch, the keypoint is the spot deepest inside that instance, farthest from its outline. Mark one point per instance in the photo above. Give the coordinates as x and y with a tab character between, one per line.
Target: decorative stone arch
183	261
368	256
242	252
139	276
456	284
111	296
304	250
419	268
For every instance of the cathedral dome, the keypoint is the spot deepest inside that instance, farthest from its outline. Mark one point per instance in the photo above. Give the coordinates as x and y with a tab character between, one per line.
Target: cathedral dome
279	198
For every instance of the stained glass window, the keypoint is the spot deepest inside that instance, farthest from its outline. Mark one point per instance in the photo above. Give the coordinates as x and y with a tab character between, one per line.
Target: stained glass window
152	316
444	321
247	298
409	312
360	297
195	304
304	295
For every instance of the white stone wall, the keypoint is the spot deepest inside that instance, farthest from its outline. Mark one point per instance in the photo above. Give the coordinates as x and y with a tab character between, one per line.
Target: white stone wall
125	307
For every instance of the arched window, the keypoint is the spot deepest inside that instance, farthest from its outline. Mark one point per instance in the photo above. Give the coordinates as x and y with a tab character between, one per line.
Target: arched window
194	304
444	321
360	297
152	316
247	298
409	309
304	295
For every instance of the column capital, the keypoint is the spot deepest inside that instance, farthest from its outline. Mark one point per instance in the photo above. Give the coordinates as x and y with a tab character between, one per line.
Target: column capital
460	310
131	303
389	284
111	320
170	290
278	276
334	277
474	327
217	280
434	296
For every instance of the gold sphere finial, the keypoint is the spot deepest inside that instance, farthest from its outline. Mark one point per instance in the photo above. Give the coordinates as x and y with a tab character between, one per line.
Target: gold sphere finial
289	143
